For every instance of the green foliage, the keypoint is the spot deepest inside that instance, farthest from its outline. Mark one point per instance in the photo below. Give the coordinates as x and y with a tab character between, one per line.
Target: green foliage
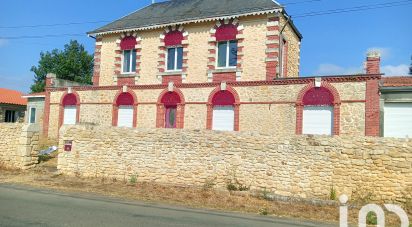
133	179
73	63
209	184
371	219
44	158
264	211
332	195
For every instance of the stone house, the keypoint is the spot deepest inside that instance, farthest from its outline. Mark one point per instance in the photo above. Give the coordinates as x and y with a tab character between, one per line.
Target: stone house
228	65
12	106
35	108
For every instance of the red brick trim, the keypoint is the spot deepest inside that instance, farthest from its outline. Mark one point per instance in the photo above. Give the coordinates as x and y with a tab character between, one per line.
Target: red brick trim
213	47
97	61
336	107
161	66
118	59
46	114
283	81
180	112
61	111
209	119
372	112
272	48
115	110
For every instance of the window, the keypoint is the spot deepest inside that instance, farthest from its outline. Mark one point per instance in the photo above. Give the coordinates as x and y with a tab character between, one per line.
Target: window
126	116
174	58
129	61
223	111
10	116
227	54
283	66
32	119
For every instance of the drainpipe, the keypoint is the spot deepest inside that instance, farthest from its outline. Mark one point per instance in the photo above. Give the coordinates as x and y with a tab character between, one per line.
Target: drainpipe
280	74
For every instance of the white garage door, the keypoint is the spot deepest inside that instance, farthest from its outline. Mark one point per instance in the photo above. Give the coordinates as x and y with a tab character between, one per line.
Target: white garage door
125	116
318	120
69	115
223	118
398	120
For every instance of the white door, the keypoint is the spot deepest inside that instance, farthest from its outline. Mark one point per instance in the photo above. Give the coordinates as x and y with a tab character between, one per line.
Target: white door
318	120
69	115
125	116
223	118
398	120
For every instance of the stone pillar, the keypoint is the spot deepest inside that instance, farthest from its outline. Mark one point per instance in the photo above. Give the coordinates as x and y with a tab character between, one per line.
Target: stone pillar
27	149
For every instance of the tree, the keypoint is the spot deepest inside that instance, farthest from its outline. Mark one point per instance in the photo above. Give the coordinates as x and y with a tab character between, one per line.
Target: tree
410	67
73	63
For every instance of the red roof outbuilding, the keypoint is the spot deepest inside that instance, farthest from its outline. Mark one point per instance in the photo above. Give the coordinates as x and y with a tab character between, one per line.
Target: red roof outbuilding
12	97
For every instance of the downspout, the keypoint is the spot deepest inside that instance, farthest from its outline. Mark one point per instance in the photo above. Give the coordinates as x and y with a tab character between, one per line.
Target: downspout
280	74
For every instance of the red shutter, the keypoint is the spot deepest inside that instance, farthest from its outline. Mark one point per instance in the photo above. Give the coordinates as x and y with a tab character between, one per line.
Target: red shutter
173	38
69	100
226	32
223	98
125	99
318	97
128	43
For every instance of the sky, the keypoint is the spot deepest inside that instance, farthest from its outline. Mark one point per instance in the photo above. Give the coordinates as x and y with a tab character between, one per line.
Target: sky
332	44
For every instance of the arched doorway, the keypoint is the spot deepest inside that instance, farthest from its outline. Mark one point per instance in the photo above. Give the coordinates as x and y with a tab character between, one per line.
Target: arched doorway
170	110
223	110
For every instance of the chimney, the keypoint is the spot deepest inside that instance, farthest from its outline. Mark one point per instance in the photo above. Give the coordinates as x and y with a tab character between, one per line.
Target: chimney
373	62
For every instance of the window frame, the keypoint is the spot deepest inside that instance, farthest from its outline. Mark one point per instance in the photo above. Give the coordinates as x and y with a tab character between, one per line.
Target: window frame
175	69
35	115
227	66
131	62
10	118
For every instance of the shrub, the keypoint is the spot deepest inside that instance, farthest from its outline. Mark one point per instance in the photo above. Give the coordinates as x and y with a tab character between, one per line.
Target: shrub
133	179
332	194
371	219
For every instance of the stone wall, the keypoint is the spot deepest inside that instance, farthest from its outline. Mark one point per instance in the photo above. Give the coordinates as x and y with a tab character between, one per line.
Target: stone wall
18	145
303	166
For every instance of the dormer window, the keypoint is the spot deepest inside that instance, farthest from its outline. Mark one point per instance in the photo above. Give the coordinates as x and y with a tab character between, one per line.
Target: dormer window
227	46
129	54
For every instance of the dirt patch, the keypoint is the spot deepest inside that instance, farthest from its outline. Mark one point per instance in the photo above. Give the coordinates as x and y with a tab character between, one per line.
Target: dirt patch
46	176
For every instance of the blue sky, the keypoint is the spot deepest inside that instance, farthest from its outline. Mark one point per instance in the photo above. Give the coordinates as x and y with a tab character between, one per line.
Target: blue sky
332	44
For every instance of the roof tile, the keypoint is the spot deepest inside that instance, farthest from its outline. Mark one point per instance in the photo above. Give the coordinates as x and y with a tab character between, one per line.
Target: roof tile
12	97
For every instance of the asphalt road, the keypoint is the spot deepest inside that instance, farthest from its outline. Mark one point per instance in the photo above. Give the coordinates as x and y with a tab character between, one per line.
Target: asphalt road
24	206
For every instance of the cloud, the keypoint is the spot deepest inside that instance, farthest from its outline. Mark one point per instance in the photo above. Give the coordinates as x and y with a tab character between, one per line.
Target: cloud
385	52
332	69
3	42
395	70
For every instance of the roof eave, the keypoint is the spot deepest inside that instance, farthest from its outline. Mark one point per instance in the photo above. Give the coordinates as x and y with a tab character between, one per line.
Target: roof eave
198	20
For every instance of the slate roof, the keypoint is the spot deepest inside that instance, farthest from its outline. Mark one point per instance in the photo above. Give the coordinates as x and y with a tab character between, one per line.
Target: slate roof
175	11
12	97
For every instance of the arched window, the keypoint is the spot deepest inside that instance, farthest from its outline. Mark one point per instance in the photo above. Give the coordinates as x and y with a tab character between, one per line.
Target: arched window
174	49
227	46
223	115
318	112
128	46
70	110
125	111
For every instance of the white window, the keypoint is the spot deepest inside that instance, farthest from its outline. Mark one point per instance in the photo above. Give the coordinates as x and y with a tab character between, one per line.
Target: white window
227	54
129	61
223	118
125	116
398	120
174	59
32	115
318	120
69	115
